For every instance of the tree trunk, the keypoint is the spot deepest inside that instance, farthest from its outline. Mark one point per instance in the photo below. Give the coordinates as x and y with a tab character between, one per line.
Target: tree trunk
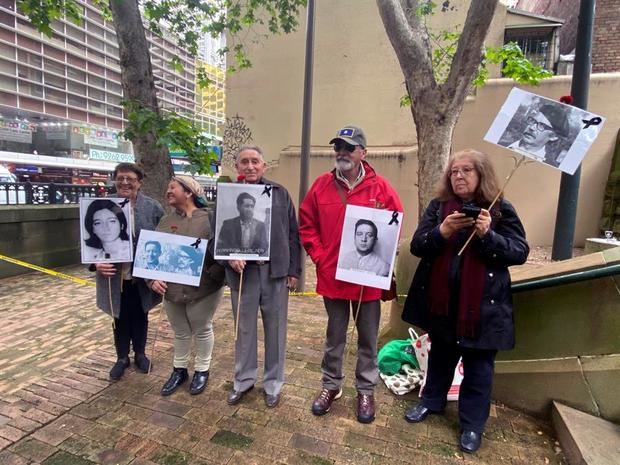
435	107
139	86
434	131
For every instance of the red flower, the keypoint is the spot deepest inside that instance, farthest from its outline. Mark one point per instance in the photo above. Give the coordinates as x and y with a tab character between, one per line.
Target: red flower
174	227
567	99
241	178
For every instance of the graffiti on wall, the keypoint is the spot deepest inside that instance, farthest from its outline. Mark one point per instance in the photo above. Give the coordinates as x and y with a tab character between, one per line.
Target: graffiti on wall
236	134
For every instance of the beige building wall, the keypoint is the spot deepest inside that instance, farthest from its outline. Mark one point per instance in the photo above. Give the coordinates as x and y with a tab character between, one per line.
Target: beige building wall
357	80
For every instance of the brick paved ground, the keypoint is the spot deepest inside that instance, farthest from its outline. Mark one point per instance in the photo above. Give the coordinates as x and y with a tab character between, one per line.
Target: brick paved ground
57	405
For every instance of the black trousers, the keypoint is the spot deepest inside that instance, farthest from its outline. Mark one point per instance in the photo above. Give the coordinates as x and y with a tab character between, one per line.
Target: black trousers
131	326
475	391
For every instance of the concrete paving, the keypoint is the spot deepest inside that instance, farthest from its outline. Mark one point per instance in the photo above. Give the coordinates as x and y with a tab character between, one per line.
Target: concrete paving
58	405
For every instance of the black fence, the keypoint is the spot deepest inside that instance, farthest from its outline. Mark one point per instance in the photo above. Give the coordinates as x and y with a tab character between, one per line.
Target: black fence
49	193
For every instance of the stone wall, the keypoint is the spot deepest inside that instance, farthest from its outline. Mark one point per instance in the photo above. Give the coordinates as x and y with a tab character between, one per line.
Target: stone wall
45	235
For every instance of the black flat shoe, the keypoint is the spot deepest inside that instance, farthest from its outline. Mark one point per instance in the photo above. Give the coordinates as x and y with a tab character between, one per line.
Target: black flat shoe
119	368
272	401
235	396
417	413
199	382
470	441
142	363
178	377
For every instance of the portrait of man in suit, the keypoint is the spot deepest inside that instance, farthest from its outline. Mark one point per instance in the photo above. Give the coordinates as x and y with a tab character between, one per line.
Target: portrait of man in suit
244	233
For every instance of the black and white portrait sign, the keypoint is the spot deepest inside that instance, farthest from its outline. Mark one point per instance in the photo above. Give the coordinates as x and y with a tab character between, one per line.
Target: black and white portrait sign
106	230
545	130
368	246
169	257
243	223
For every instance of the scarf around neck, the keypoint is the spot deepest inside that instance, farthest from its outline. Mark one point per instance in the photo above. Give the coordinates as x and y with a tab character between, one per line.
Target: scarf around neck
471	279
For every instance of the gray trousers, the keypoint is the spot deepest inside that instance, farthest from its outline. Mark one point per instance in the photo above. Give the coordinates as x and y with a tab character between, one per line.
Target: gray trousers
193	319
366	370
259	291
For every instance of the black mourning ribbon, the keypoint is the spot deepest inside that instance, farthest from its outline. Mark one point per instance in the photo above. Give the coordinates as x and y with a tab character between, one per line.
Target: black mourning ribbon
394	218
196	244
591	122
123	203
267	190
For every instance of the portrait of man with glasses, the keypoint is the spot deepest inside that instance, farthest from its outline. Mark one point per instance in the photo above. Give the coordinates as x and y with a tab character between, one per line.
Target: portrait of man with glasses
545	132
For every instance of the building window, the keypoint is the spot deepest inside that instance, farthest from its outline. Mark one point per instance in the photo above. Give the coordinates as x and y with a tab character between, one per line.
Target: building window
537	45
7	83
96	81
76	88
55	81
29	58
7	51
7	67
29	73
7	19
76	101
76	74
31	89
94	93
54	67
55	96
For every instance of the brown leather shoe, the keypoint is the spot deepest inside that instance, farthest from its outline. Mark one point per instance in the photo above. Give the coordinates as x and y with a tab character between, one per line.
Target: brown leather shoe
323	402
365	408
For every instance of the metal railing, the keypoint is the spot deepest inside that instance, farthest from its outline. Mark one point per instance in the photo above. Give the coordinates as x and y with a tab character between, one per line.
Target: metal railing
47	193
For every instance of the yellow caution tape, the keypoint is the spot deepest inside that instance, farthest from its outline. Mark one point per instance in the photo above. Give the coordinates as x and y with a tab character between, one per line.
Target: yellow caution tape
86	282
47	271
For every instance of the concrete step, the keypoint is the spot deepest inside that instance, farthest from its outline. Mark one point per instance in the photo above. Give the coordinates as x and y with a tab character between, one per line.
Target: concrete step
586	439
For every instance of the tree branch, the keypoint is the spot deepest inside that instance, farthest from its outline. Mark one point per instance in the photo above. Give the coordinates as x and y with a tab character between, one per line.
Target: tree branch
410	42
469	51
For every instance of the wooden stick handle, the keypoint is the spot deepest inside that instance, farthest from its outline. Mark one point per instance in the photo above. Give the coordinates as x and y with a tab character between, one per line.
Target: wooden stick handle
161	313
347	348
238	305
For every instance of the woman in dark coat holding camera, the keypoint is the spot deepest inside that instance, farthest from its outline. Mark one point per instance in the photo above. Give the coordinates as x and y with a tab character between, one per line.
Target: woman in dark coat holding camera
464	302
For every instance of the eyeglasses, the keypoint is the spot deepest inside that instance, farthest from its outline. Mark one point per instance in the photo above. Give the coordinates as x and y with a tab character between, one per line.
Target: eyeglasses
467	171
127	179
342	145
530	121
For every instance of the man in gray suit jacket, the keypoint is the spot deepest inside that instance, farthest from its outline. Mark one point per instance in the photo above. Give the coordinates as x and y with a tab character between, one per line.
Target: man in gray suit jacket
265	284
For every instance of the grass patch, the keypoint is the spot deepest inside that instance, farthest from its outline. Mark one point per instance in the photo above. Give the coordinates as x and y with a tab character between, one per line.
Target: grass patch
170	457
310	459
231	439
316	367
63	458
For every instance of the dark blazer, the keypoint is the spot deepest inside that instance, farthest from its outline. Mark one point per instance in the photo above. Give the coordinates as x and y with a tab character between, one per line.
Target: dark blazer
504	245
230	237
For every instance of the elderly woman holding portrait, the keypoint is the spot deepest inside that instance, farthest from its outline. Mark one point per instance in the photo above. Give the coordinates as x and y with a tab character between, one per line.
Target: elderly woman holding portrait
126	298
464	301
190	309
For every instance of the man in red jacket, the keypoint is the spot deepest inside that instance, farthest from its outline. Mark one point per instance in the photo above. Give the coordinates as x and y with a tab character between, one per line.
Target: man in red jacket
321	214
